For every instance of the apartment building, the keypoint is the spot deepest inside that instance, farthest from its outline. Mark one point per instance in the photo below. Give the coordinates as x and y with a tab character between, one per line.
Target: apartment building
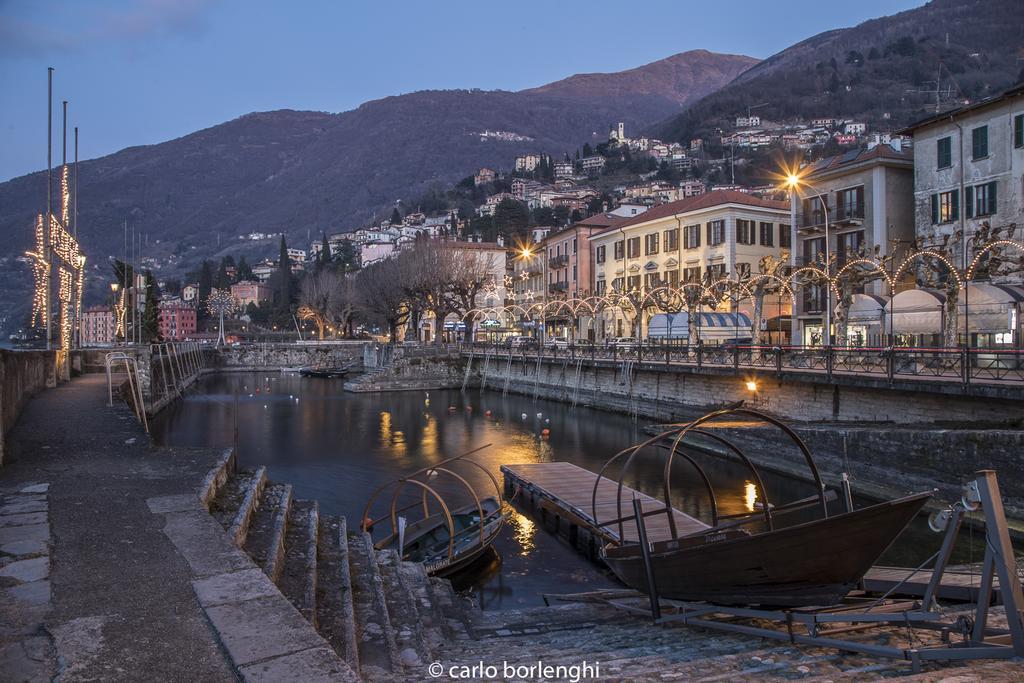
249	292
98	326
176	320
867	197
723	232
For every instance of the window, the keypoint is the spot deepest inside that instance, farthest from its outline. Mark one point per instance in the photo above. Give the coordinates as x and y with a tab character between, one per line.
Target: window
849	244
812	248
574	276
599	254
851	203
574	245
981	200
979	142
691	274
785	236
651	244
945	206
632	283
600	287
633	247
618	250
716	272
673	278
691	236
767	234
617	284
716	233
1018	130
744	231
743	270
944	153
672	239
652	281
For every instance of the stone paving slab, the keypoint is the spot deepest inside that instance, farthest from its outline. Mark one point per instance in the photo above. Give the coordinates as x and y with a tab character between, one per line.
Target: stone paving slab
25	571
27	532
183	502
316	665
204	544
221	589
23	519
259	629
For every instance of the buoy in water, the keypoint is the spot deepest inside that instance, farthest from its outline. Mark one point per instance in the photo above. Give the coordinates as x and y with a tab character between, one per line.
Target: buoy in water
451	409
469	409
545	432
547	420
524	416
539	415
487	413
368	524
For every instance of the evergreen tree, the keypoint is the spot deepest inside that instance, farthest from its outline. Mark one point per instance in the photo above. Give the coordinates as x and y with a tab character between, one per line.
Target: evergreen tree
587	151
223	281
205	285
283	286
325	252
396	217
150	322
244	270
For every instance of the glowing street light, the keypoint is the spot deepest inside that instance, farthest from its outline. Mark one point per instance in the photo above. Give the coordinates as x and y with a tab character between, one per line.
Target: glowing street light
794	180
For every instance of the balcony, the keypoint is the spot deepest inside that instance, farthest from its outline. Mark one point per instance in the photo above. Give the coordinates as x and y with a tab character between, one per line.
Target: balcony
849	213
558	287
558	261
809	222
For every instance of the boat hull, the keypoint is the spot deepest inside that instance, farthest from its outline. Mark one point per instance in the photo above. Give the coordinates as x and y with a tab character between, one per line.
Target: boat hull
815	563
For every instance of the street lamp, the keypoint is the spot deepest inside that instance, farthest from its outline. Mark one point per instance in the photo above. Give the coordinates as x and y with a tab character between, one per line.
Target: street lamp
794	181
528	254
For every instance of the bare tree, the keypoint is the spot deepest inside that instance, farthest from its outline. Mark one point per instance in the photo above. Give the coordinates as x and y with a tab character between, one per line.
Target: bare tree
380	295
426	274
318	298
472	272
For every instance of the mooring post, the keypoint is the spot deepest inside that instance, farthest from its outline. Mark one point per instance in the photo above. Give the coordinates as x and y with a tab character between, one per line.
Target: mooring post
997	537
645	551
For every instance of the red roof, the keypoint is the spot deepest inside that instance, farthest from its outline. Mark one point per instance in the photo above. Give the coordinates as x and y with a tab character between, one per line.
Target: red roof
704	201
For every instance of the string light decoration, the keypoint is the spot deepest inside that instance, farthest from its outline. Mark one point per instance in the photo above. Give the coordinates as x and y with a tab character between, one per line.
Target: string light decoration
65	255
220	303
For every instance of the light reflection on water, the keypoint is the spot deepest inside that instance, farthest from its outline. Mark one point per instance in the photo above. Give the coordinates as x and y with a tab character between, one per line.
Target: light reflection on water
338	447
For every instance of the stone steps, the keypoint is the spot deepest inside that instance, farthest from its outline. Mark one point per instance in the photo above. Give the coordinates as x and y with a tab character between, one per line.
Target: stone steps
336	619
265	538
413	650
227	503
298	576
378	655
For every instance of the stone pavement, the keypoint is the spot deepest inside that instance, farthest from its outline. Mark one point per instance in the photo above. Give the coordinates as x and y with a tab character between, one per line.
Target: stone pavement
100	593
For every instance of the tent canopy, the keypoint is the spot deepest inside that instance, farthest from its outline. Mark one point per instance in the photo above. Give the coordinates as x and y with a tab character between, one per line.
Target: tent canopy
984	307
866	309
713	325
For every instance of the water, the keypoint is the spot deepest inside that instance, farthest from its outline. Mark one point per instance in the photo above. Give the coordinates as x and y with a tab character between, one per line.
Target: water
338	447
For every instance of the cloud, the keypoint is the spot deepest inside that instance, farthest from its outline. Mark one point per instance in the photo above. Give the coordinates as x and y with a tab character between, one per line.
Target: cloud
32	31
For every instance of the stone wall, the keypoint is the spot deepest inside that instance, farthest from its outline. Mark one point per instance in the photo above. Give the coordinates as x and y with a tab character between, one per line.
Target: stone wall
408	374
276	356
671	393
23	374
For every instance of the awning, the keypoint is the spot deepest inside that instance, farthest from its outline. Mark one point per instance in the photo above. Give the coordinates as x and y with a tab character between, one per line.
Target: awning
914	311
676	324
865	309
990	308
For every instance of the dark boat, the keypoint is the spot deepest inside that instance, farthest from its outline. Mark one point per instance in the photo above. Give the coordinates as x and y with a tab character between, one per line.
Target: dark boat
429	541
325	373
811	563
445	541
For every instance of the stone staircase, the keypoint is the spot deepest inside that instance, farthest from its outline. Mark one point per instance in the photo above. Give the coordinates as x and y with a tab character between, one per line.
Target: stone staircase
386	618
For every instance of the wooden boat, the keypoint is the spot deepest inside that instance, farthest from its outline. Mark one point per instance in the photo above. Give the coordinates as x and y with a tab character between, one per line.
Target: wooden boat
325	373
429	541
810	563
450	539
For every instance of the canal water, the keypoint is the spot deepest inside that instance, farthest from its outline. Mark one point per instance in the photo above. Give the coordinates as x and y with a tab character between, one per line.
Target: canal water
338	447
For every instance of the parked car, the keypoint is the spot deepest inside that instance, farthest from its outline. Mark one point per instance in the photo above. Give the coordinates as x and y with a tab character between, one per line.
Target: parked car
520	342
628	343
558	342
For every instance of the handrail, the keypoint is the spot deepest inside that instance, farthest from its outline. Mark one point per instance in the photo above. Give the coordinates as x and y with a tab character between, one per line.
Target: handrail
134	386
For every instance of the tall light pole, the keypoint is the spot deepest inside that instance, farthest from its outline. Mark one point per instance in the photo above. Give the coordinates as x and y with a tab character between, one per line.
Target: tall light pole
794	182
528	255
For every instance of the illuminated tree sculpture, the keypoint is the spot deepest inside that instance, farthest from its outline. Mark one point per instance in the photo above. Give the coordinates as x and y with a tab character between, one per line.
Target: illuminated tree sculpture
220	303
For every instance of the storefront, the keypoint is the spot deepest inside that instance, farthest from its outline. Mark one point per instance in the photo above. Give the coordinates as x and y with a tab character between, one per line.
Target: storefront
990	314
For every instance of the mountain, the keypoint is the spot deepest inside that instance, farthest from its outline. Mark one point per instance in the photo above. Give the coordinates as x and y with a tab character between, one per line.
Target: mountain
681	78
884	72
304	173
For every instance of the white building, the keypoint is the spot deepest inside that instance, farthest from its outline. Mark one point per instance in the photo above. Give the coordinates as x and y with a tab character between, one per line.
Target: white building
527	163
748	121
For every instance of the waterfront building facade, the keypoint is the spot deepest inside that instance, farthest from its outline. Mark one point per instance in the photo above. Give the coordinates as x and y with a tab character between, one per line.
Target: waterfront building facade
176	321
249	292
721	234
870	210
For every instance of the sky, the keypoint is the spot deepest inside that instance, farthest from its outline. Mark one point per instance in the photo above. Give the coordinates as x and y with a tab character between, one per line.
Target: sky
138	72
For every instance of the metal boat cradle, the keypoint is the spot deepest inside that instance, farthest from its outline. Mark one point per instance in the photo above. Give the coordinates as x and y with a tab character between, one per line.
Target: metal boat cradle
464	545
810	623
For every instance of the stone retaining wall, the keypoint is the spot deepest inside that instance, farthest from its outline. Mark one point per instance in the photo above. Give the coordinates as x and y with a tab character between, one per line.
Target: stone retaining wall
276	356
23	374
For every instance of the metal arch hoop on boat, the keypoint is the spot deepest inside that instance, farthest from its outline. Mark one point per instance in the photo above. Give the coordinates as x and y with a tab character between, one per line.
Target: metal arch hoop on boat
679	432
472	492
394	520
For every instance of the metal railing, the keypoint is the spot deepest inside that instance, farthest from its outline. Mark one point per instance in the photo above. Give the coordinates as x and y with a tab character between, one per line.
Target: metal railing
963	365
131	370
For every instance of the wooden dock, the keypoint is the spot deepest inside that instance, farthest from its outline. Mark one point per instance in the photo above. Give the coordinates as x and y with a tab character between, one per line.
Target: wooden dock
563	491
559	494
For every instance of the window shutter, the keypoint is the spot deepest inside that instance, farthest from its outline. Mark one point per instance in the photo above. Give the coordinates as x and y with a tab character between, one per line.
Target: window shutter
1018	130
955	203
992	198
969	201
935	209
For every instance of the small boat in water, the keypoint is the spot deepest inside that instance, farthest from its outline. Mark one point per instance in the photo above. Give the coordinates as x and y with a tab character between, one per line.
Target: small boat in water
326	373
448	539
749	558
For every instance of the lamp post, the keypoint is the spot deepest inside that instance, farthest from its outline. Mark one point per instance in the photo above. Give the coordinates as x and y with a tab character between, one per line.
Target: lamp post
528	254
114	286
794	181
